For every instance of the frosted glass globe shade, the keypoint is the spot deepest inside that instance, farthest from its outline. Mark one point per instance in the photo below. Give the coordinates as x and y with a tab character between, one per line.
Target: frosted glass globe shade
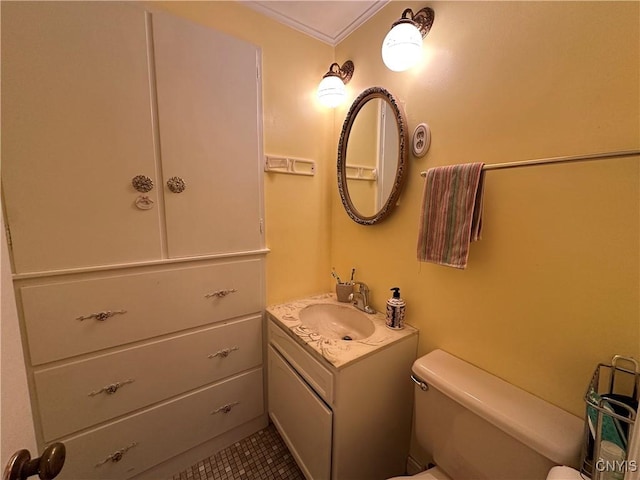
331	91
402	47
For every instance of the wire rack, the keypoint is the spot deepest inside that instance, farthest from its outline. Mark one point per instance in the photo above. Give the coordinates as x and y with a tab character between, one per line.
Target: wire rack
611	410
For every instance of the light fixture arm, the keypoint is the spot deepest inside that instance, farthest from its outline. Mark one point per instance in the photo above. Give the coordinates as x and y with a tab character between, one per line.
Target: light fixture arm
422	19
344	73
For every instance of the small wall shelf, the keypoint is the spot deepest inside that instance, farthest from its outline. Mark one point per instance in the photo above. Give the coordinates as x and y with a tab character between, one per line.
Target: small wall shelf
289	165
361	172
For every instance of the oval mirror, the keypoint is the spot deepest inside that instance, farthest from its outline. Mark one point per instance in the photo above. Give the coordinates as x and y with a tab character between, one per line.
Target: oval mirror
372	156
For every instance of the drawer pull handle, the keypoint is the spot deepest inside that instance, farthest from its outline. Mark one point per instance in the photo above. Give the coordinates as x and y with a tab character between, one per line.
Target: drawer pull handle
102	316
111	389
224	353
221	293
116	456
225	408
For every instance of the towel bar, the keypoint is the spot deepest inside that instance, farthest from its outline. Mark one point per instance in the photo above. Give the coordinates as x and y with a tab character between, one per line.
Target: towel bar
545	161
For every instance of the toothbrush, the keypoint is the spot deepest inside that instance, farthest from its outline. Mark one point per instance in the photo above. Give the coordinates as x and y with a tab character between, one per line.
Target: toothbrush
335	275
353	271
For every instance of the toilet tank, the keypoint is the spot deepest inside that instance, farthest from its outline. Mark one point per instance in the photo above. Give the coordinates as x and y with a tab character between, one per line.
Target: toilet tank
477	426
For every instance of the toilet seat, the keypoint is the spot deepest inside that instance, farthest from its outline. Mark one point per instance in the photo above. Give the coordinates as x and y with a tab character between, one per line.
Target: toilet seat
564	473
432	474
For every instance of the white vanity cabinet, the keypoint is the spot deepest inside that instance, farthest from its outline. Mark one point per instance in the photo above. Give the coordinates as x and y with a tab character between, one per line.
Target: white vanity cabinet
142	312
347	423
97	93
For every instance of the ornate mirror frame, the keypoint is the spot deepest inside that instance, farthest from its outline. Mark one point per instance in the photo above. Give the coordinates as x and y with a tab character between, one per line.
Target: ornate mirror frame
403	137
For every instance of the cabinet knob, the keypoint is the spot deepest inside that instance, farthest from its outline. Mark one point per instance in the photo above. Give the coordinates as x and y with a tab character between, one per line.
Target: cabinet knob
142	183
176	184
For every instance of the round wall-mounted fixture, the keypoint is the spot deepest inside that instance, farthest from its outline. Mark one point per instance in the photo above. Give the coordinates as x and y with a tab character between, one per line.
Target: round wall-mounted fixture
421	140
402	47
332	91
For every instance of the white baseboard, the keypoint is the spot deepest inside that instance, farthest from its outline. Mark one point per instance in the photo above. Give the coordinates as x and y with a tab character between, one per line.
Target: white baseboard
413	467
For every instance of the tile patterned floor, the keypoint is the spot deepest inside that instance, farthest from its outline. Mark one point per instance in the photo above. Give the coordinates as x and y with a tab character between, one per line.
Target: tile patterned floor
261	456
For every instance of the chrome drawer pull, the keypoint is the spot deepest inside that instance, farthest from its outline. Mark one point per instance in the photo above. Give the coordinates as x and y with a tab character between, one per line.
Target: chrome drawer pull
102	316
111	389
225	408
221	293
224	353
116	456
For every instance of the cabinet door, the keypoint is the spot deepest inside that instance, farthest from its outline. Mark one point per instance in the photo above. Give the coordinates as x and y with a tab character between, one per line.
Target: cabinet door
208	108
303	420
76	128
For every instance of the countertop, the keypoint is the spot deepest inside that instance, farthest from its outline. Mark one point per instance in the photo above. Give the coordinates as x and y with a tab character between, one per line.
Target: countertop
338	353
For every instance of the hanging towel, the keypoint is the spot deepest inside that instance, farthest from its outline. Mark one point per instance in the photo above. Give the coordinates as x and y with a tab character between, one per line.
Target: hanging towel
451	214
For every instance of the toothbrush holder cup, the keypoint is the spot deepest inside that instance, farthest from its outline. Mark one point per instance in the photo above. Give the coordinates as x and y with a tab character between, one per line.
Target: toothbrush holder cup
343	290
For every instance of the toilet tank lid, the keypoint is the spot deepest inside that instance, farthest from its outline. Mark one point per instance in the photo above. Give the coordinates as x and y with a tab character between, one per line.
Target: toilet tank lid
543	427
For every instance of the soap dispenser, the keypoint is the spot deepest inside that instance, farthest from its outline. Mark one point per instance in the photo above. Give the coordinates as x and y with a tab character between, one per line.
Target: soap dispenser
395	310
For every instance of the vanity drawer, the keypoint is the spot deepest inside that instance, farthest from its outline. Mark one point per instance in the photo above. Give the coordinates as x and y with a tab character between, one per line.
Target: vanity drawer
154	303
70	397
318	376
162	432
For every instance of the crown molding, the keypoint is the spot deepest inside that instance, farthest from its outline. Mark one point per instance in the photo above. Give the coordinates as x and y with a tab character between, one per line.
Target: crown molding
271	9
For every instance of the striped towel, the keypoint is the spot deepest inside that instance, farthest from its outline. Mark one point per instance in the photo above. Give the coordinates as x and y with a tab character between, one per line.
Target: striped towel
451	214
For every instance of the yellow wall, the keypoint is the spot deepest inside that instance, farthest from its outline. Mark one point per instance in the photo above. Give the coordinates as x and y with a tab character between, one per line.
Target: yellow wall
553	286
295	124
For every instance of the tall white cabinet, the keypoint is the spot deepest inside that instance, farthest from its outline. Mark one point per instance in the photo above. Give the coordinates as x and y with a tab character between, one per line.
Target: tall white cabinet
141	308
94	95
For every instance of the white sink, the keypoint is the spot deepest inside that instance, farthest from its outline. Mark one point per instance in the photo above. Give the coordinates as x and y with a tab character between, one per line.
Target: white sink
337	322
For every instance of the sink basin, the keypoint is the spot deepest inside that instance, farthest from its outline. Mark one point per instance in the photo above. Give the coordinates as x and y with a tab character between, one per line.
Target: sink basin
337	322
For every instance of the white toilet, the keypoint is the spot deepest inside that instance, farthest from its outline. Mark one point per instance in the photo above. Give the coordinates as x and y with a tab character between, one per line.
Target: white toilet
477	426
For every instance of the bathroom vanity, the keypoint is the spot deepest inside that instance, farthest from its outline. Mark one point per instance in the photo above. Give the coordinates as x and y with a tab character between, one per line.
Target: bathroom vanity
344	407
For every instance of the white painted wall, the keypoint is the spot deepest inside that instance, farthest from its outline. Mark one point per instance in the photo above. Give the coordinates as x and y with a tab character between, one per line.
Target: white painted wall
16	426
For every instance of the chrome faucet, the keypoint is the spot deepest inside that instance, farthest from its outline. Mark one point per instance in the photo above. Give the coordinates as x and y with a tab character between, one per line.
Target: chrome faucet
360	298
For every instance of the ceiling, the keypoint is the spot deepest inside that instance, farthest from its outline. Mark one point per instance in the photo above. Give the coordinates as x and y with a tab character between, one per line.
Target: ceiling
328	21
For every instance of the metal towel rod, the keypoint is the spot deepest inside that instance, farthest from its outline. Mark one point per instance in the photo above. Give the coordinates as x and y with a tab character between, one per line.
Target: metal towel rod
543	161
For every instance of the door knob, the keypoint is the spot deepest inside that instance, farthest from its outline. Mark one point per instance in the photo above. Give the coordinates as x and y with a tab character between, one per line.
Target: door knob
47	466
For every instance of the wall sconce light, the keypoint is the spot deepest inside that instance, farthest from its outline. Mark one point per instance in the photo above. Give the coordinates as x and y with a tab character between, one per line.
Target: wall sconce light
402	47
331	91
